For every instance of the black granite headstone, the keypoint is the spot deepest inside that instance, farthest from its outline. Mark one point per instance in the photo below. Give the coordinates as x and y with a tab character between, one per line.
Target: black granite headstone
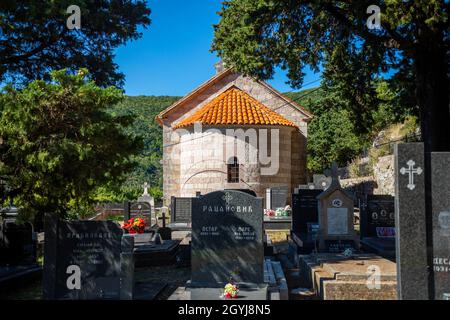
410	222
305	219
304	210
278	197
440	164
139	210
17	245
227	238
82	260
181	210
377	217
377	225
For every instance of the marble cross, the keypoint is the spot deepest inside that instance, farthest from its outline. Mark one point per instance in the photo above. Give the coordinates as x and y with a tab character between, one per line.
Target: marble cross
145	189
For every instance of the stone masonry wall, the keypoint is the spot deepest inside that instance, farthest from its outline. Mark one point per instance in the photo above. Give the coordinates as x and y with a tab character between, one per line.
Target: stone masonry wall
203	162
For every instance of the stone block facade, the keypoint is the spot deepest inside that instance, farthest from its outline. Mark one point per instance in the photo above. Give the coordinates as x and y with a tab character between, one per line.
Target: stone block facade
195	159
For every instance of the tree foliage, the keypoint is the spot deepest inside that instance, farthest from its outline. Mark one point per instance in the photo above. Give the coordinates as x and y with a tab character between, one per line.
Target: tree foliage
331	138
34	38
256	36
142	109
59	142
333	135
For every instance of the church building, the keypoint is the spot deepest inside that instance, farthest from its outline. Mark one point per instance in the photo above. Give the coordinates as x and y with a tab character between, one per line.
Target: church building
233	132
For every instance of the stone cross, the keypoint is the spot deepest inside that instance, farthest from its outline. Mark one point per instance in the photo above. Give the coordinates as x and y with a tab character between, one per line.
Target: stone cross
411	171
145	189
334	173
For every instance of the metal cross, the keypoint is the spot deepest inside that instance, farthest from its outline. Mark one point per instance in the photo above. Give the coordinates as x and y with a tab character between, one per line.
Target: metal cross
163	217
411	171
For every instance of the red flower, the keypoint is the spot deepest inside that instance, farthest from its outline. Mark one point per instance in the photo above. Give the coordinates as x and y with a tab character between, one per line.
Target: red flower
135	225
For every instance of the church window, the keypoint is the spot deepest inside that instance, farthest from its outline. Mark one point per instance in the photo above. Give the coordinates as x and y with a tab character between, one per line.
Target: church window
233	170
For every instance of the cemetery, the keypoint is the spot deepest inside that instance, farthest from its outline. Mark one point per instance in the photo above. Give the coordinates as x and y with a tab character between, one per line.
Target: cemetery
228	238
237	188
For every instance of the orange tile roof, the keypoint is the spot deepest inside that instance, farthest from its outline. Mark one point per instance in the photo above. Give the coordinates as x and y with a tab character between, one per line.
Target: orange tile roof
234	106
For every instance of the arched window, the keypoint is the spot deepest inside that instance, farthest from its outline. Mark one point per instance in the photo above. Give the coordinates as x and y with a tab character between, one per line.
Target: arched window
233	170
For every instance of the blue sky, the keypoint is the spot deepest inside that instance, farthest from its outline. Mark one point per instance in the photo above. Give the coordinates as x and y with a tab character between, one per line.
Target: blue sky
173	57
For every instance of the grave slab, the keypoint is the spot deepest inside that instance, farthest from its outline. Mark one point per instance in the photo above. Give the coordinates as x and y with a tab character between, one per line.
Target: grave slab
337	277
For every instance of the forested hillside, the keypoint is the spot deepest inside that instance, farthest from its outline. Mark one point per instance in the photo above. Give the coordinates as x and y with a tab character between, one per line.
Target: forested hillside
149	168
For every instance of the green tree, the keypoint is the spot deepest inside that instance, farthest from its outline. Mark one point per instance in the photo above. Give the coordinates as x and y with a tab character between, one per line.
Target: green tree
255	36
143	110
332	135
59	142
34	38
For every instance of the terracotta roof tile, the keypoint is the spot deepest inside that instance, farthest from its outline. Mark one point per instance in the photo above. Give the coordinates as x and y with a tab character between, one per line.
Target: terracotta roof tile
235	106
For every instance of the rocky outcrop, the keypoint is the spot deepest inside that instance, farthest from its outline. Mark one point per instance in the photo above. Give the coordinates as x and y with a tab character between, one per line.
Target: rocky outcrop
383	172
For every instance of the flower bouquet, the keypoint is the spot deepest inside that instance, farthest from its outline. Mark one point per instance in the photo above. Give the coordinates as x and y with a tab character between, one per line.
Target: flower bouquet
269	212
134	225
230	291
283	212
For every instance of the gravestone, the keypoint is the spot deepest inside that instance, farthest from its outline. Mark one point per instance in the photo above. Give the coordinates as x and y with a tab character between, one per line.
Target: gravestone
410	222
277	197
305	219
139	210
377	225
227	239
146	197
181	209
440	164
127	267
180	213
163	231
336	229
18	242
82	260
